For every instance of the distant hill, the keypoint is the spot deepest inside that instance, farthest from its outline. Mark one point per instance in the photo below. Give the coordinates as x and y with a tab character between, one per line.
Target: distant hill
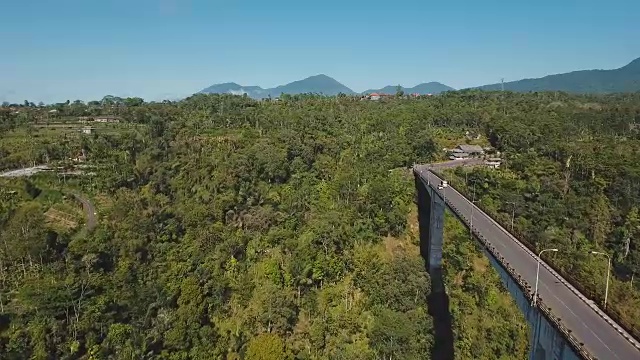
319	84
235	89
422	89
624	79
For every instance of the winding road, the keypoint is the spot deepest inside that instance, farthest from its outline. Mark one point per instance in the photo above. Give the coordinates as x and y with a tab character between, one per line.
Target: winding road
600	335
89	211
87	206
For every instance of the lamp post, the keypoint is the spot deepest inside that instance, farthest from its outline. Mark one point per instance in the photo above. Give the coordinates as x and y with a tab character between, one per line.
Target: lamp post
471	226
606	290
513	212
535	293
473	201
474	191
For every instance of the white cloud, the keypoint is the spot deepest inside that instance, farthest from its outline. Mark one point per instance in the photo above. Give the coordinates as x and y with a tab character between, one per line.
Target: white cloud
238	92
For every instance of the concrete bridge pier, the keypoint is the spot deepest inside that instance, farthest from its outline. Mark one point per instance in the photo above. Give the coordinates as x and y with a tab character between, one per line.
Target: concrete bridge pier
431	225
431	209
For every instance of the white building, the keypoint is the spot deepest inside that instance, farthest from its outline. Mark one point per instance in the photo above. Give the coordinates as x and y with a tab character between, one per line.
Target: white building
493	163
87	130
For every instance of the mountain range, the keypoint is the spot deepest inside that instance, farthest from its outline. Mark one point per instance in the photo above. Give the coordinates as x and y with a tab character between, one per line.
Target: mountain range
624	79
320	84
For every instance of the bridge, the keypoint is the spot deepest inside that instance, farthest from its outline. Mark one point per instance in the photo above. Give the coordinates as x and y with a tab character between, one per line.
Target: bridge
564	323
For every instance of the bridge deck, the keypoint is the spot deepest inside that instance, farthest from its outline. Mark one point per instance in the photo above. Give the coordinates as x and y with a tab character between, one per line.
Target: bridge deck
587	323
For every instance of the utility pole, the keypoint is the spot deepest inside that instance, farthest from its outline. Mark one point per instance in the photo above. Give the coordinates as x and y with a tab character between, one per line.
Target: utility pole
513	215
504	107
606	290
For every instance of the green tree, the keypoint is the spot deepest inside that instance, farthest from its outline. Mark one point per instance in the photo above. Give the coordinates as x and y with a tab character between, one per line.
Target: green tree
266	346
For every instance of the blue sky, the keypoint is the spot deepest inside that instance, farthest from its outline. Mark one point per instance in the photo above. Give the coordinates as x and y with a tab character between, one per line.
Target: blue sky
80	49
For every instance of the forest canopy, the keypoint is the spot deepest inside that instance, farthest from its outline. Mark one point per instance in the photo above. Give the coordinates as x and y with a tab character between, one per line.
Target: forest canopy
229	228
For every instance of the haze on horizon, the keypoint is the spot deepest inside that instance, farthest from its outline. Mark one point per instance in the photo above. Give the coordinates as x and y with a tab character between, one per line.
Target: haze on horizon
156	49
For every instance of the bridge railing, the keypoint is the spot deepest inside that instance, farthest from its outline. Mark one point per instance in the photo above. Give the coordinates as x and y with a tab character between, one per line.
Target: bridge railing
526	289
617	318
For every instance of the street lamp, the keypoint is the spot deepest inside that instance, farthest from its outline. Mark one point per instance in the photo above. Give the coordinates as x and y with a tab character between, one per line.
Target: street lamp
513	212
606	291
535	293
473	201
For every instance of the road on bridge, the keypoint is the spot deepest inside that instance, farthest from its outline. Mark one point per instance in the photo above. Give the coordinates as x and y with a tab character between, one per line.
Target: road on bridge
583	318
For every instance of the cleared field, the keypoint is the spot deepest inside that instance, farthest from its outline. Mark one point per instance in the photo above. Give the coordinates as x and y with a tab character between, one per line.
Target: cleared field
78	127
59	219
38	144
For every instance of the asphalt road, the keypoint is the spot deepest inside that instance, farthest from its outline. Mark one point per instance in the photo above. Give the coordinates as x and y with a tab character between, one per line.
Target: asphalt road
89	210
24	171
577	313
